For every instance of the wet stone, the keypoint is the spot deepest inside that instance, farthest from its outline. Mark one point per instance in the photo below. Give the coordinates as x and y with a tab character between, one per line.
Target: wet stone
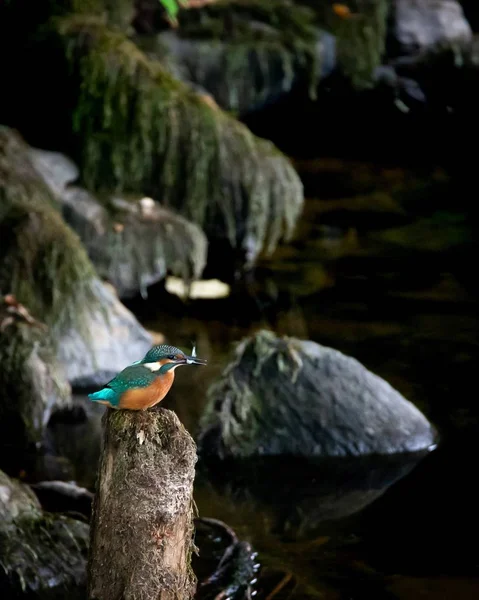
284	396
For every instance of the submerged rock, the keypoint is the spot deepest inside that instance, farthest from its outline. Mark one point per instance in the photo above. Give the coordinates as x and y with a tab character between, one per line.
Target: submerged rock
46	268
42	556
283	396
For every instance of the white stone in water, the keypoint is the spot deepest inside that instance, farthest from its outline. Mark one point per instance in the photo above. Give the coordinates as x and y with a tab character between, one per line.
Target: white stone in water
202	289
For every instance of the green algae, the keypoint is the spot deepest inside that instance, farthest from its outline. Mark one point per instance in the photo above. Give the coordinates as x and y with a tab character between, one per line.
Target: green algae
140	130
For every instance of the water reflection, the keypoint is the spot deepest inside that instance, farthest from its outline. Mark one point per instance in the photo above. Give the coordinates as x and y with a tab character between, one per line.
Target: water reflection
293	498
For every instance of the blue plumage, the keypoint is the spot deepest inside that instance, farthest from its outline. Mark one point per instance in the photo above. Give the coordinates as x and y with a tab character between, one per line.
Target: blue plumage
134	376
105	395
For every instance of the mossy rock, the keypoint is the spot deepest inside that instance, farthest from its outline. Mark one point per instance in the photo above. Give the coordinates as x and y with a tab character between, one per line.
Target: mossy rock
304	34
246	54
133	242
284	396
32	386
44	265
139	131
41	555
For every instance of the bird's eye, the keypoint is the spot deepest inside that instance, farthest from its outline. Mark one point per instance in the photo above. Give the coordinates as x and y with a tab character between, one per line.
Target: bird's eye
171	356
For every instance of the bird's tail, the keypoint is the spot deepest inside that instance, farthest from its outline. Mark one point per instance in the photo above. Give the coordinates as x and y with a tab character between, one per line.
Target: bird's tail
106	395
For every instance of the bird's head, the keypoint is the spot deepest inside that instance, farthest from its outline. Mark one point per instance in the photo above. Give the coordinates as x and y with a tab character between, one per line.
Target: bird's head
163	358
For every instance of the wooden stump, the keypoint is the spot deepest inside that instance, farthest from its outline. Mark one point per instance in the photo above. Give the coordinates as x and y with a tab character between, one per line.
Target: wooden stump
142	522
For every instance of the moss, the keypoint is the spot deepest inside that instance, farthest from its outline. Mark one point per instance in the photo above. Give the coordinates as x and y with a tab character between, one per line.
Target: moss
139	130
245	412
42	262
31	385
361	40
263	43
40	554
293	30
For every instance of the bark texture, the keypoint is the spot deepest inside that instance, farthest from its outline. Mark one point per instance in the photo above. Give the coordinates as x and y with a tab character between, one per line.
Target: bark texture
142	522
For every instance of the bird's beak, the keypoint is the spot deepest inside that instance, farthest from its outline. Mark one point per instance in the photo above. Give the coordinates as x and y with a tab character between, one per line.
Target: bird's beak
194	360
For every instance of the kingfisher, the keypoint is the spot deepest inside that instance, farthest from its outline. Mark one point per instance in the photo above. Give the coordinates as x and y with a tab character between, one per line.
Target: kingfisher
147	381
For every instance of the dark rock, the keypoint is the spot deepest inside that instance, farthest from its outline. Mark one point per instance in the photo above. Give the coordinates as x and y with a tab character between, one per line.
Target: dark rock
139	244
63	497
42	556
57	170
164	142
132	243
422	24
32	386
116	340
249	75
283	396
46	268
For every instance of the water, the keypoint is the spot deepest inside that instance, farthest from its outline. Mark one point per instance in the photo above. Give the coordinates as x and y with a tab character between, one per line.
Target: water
390	286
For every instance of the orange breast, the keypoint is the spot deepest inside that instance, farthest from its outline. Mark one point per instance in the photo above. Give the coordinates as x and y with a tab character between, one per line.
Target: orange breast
143	398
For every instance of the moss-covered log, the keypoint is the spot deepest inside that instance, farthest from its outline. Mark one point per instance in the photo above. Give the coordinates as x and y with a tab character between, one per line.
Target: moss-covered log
142	524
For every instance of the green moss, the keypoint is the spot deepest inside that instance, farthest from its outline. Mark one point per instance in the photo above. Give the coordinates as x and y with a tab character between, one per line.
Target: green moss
139	130
31	385
279	40
361	40
293	30
241	425
42	262
40	554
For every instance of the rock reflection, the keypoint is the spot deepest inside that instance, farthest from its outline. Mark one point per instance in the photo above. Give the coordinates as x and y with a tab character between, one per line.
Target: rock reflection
295	497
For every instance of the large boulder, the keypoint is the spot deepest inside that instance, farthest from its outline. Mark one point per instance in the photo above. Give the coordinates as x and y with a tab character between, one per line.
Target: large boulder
42	556
48	271
132	242
134	129
283	396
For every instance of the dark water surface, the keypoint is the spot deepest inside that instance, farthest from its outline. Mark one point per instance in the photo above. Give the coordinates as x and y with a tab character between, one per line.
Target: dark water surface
391	286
